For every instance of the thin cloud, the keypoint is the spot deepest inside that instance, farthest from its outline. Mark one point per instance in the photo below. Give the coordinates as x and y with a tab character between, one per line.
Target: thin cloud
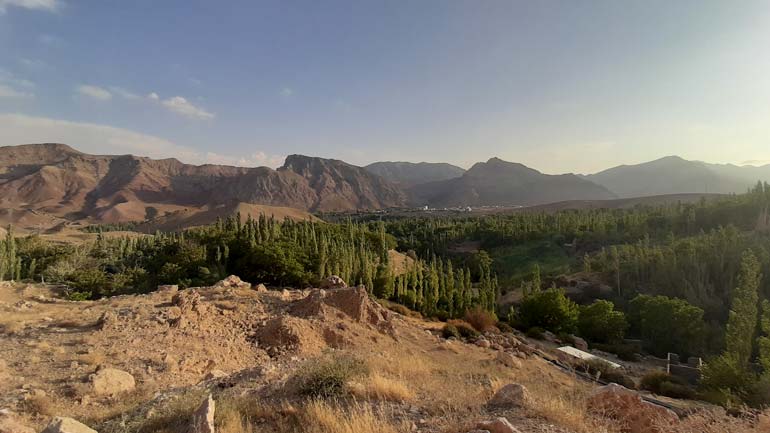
9	92
94	92
38	5
15	87
34	64
123	93
182	106
103	139
287	92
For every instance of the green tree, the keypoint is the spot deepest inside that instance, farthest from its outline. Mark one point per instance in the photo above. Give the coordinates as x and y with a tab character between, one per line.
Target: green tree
549	309
742	322
600	322
667	324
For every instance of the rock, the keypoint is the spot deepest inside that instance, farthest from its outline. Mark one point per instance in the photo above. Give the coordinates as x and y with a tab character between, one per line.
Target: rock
498	425
636	415
108	320
511	395
9	423
483	342
203	418
260	288
67	425
579	343
479	431
508	360
233	282
168	288
111	382
215	374
334	282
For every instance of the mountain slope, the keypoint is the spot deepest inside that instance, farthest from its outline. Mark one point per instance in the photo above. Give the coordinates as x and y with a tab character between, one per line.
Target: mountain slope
408	174
497	182
674	175
63	182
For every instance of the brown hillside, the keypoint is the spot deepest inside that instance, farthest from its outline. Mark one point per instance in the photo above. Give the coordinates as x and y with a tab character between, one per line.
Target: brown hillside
56	180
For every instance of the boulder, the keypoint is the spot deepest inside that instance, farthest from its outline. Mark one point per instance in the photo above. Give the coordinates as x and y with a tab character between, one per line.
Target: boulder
215	374
498	425
111	382
203	418
579	343
511	395
483	342
626	406
233	282
9	423
260	288
67	425
168	288
334	282
508	360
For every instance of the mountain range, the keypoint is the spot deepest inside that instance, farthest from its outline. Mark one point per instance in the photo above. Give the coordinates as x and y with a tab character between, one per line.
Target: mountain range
45	183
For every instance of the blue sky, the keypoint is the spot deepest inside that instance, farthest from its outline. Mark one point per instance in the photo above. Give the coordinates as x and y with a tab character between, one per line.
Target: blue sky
558	85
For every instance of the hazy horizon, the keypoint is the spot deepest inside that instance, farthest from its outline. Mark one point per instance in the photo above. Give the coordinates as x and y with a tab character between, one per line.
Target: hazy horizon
557	86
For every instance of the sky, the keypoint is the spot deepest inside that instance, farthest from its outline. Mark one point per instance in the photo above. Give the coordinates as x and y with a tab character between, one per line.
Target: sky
561	86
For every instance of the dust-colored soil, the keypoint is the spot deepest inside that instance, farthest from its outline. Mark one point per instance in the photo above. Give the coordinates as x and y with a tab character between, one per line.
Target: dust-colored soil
249	345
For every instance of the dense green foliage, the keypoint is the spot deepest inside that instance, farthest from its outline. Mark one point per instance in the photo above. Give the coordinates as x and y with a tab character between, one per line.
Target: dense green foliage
600	322
548	309
686	278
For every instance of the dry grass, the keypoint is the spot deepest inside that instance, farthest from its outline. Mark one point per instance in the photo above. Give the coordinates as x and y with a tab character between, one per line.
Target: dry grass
378	387
323	417
11	327
93	359
40	405
480	319
717	421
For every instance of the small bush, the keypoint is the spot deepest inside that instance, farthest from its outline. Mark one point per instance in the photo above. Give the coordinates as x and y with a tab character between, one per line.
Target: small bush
450	331
536	332
626	352
666	384
675	390
329	377
464	329
605	371
480	319
504	327
400	309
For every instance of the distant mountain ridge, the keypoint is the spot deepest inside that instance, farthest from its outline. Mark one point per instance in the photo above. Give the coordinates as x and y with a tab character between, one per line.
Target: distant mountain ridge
408	174
61	181
41	184
675	175
501	183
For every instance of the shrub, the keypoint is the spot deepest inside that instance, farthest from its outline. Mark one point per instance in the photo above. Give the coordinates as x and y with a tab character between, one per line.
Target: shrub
504	327
480	319
549	309
676	390
601	323
450	331
626	352
724	375
465	329
329	377
536	332
603	370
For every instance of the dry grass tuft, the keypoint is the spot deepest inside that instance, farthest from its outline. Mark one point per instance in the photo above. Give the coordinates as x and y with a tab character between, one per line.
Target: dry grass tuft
11	327
40	405
717	421
378	387
92	359
324	417
481	319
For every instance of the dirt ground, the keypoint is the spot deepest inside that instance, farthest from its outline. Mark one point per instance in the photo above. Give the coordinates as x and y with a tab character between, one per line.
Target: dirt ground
240	343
